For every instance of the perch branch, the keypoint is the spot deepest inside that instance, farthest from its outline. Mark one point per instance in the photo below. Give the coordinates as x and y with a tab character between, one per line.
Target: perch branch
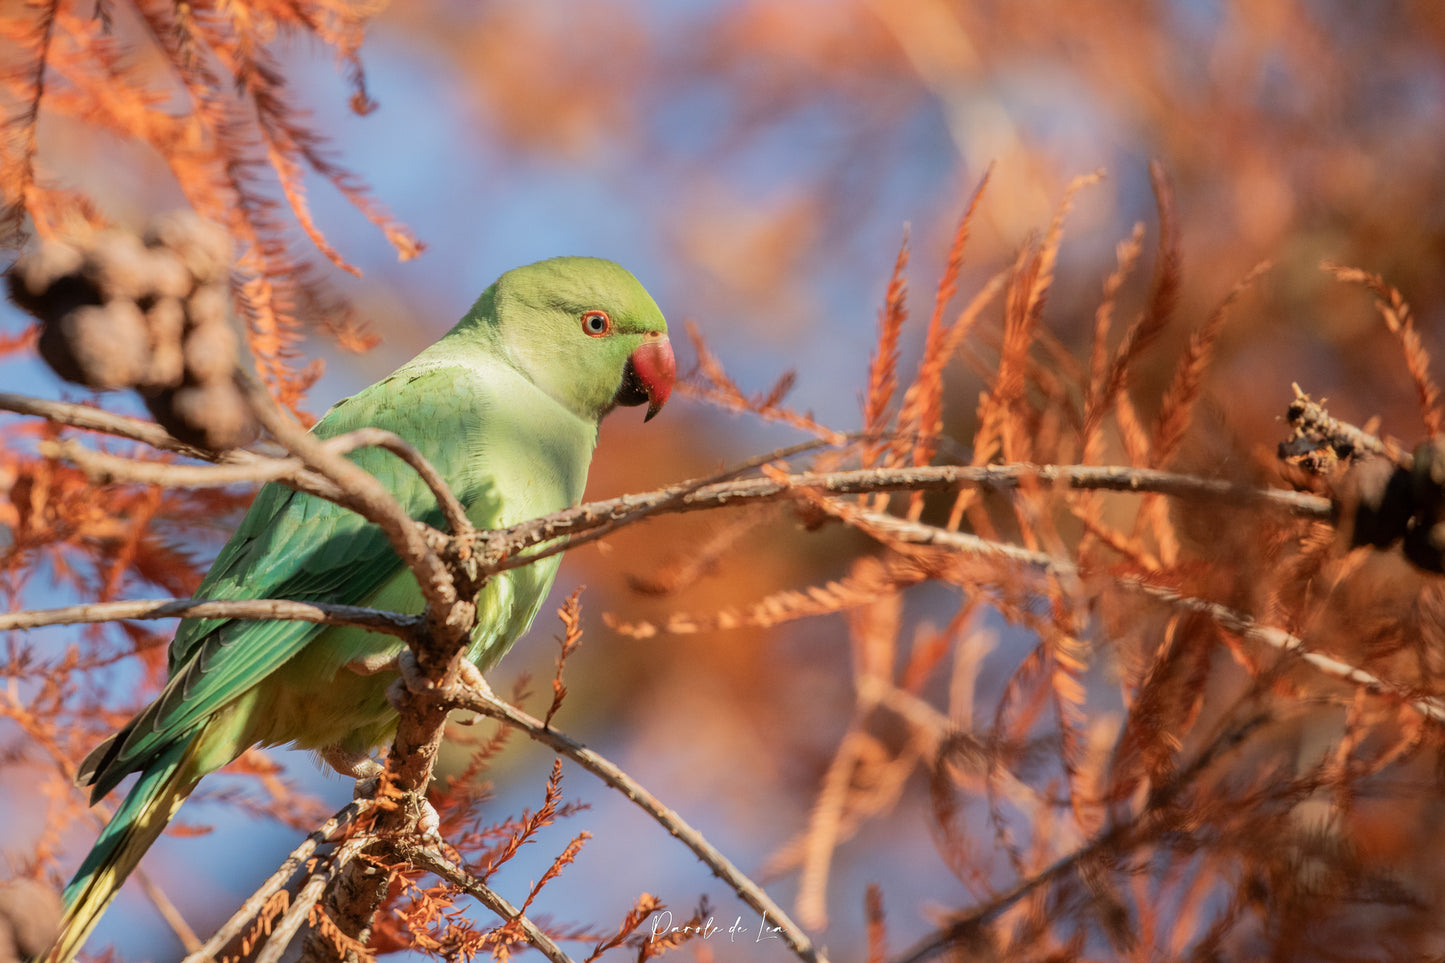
499	549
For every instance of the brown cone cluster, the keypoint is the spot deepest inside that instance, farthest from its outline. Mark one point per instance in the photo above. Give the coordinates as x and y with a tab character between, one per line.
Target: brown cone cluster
1383	503
119	311
29	919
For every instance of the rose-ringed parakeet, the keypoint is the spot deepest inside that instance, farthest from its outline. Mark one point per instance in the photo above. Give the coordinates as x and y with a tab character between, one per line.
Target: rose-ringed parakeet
506	406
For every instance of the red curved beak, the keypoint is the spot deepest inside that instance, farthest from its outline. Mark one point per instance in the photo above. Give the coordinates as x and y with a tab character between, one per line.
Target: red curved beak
650	373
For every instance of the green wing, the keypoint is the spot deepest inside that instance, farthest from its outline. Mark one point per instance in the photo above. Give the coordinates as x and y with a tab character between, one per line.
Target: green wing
295	546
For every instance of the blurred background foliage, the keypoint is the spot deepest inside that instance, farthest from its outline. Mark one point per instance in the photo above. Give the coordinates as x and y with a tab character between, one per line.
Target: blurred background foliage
754	163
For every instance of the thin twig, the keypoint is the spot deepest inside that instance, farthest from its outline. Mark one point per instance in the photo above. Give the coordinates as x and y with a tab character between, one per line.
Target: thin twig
244	916
750	892
363	494
435	862
168	912
1246	627
104	468
377	620
917	533
1116	839
97	419
88	418
309	894
499	549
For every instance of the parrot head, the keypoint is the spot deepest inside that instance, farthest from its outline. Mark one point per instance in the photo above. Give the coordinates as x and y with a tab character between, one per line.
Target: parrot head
586	332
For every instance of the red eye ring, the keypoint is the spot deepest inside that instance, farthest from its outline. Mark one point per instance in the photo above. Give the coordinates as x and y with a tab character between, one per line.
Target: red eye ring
596	324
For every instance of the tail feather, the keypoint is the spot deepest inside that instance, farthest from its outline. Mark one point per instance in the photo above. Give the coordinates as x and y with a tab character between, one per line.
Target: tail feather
166	783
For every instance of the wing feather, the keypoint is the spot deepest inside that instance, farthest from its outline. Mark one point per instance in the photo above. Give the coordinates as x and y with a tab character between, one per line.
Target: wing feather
295	546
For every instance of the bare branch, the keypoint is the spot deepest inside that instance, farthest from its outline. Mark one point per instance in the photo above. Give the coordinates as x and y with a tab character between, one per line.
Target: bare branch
499	549
243	916
149	433
363	494
377	620
1246	627
104	468
341	481
168	912
916	533
750	892
307	898
97	419
434	862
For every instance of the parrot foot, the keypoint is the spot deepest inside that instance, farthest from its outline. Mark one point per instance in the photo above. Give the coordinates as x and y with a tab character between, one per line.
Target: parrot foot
471	677
429	821
353	765
411	679
372	664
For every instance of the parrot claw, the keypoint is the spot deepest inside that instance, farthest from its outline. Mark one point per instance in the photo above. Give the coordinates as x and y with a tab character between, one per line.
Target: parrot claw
470	677
429	821
353	765
396	694
372	664
409	679
412	679
366	788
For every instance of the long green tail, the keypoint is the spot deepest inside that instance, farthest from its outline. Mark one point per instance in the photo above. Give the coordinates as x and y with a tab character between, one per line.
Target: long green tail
140	820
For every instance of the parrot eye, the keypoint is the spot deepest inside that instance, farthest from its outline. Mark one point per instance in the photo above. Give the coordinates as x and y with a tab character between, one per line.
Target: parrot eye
596	323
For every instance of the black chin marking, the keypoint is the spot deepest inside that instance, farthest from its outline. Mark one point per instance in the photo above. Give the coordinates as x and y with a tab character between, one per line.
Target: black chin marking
632	392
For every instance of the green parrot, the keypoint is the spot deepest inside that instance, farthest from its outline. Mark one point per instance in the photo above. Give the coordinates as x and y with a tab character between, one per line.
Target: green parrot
506	406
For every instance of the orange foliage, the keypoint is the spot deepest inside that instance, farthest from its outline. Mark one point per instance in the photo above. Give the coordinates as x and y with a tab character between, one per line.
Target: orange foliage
1111	722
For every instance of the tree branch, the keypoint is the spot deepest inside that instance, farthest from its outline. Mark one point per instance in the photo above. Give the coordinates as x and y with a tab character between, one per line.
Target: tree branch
98	419
499	550
750	892
434	862
104	468
377	620
917	533
246	914
1121	837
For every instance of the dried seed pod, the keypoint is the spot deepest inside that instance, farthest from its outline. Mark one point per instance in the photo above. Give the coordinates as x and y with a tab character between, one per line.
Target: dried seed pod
120	265
99	346
209	304
1425	546
1375	502
46	281
204	247
210	351
1428	478
212	414
170	277
30	912
166	322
